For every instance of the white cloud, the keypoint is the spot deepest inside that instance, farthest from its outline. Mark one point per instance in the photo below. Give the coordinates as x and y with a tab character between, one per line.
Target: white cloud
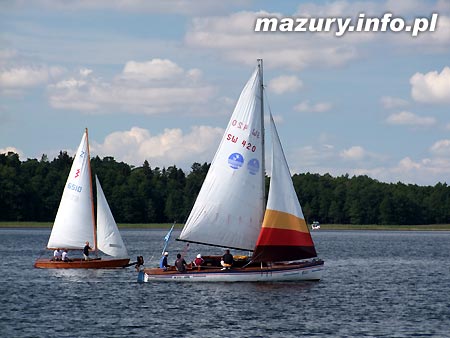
393	102
153	87
406	7
163	150
337	9
285	83
406	164
438	41
432	87
408	118
311	158
356	160
11	149
441	148
233	37
424	171
319	107
85	72
185	7
156	69
24	77
353	153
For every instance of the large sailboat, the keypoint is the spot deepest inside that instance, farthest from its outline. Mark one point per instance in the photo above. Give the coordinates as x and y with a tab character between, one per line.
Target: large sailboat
75	223
231	212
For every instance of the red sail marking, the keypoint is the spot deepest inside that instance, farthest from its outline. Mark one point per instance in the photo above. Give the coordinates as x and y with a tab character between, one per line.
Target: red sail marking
77	173
273	236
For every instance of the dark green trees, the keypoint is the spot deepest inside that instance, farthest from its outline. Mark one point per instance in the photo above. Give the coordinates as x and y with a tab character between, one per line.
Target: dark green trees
31	191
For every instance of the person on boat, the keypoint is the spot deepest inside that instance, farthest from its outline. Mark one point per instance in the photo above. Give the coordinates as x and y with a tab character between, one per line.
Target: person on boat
198	261
57	255
163	261
227	260
65	256
86	251
139	263
180	264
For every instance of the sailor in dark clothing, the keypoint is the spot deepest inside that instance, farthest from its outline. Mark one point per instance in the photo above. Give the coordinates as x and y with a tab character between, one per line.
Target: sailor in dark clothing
227	260
86	251
180	264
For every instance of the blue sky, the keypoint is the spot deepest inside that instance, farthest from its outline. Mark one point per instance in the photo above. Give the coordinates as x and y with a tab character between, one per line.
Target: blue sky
157	81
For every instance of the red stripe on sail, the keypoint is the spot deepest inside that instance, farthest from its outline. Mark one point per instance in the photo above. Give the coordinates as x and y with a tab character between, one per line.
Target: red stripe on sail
283	237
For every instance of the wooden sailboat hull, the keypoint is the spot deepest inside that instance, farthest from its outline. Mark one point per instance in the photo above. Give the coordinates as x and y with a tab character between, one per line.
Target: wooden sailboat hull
309	271
101	263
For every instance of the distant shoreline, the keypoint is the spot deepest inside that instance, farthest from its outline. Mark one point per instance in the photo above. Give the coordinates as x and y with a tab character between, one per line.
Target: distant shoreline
163	226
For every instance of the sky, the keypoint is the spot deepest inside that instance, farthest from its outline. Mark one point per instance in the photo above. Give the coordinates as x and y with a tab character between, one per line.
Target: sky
158	80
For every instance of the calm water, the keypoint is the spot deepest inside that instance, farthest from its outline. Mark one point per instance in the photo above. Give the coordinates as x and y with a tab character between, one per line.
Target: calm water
376	284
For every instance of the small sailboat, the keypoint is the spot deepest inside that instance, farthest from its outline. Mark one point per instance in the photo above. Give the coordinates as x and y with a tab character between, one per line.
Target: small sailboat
75	223
230	210
315	225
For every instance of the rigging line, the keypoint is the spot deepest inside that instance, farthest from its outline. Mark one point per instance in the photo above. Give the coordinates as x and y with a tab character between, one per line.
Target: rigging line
252	260
266	101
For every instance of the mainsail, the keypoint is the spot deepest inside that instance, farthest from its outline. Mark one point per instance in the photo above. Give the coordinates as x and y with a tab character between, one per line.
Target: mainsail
74	222
229	208
108	235
284	235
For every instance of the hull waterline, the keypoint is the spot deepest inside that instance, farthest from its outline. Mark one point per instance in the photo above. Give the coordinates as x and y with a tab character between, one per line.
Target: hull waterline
277	273
103	263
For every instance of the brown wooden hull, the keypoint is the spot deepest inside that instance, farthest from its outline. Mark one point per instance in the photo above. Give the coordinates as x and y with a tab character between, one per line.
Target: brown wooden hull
78	263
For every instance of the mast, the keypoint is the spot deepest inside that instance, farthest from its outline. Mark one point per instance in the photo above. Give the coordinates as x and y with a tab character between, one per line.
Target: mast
263	157
91	192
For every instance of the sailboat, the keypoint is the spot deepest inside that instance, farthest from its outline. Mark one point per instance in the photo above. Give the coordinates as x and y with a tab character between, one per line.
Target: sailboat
75	223
231	212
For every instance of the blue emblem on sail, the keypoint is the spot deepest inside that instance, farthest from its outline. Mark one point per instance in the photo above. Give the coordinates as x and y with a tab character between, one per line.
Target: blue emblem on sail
235	160
253	166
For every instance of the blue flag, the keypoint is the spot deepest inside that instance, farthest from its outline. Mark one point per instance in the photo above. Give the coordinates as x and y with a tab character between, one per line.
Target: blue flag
166	238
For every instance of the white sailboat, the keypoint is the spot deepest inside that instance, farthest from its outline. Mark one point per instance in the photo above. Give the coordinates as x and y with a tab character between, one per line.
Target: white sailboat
230	209
75	223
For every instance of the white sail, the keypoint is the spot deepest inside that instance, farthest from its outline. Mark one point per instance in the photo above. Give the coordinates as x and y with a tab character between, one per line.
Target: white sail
282	196
229	208
74	222
109	239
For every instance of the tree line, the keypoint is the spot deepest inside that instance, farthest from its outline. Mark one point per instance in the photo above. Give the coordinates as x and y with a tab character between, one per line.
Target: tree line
31	190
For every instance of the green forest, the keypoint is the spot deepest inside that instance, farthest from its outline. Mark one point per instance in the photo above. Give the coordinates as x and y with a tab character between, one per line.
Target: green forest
30	191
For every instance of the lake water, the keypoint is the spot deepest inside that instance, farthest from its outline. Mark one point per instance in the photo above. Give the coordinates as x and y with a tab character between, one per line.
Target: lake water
376	284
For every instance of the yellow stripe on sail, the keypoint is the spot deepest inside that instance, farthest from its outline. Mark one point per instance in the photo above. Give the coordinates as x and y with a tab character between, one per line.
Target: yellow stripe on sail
282	220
